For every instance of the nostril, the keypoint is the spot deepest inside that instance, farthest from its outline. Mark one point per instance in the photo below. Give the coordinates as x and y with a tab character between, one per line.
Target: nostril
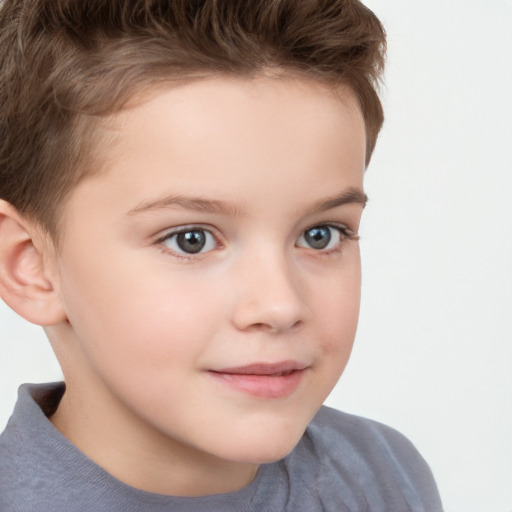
275	328
261	326
297	324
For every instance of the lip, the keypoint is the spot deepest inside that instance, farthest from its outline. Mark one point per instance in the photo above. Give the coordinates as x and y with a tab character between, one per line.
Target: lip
264	380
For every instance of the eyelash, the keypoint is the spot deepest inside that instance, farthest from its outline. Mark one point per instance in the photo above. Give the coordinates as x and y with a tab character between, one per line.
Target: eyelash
345	234
181	230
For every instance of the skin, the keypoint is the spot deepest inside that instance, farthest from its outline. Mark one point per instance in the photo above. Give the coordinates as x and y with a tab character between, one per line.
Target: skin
144	324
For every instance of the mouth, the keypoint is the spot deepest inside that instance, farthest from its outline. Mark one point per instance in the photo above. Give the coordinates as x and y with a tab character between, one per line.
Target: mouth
263	380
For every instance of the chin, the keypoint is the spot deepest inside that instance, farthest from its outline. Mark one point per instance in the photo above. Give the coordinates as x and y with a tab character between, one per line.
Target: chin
263	454
266	445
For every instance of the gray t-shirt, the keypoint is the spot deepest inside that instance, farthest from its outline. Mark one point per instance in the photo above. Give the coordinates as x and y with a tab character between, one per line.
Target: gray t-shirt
342	463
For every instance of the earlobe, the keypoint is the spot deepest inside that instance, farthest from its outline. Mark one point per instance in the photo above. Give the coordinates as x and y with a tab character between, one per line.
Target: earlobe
25	283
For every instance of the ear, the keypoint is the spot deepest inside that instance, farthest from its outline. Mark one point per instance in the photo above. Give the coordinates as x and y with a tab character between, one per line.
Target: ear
26	283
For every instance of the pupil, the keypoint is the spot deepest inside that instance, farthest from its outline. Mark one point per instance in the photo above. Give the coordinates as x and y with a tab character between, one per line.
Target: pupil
191	241
318	238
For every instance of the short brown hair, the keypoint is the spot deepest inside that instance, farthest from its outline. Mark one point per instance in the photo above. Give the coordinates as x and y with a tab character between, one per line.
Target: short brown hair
67	63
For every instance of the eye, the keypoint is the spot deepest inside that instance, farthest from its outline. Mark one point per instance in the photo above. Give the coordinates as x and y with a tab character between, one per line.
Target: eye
189	241
323	237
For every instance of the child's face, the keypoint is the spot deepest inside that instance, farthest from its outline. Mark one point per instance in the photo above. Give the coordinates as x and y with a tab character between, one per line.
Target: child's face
213	247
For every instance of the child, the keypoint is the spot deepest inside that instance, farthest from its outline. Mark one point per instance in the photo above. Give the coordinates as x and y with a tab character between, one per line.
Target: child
181	184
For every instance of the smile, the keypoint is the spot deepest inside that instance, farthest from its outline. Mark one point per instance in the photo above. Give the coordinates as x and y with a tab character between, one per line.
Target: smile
263	380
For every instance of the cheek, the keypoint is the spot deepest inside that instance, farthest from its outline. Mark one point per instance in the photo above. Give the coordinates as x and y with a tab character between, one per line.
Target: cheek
338	341
145	320
337	313
337	306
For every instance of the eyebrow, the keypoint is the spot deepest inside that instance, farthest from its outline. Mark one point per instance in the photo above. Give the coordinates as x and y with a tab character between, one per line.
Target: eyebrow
198	204
350	196
204	205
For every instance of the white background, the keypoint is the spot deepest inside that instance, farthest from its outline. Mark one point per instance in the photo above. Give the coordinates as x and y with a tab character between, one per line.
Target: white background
433	354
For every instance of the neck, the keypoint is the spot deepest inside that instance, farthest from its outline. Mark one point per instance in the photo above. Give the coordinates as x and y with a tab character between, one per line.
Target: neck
139	456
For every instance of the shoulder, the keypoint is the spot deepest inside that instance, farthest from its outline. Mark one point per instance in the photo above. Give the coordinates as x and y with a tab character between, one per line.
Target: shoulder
28	449
330	428
371	461
366	442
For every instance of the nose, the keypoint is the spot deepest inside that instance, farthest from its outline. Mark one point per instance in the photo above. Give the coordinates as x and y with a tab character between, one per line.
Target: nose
269	296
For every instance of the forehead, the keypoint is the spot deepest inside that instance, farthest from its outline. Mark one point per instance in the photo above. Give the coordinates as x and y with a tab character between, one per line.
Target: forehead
229	117
230	138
